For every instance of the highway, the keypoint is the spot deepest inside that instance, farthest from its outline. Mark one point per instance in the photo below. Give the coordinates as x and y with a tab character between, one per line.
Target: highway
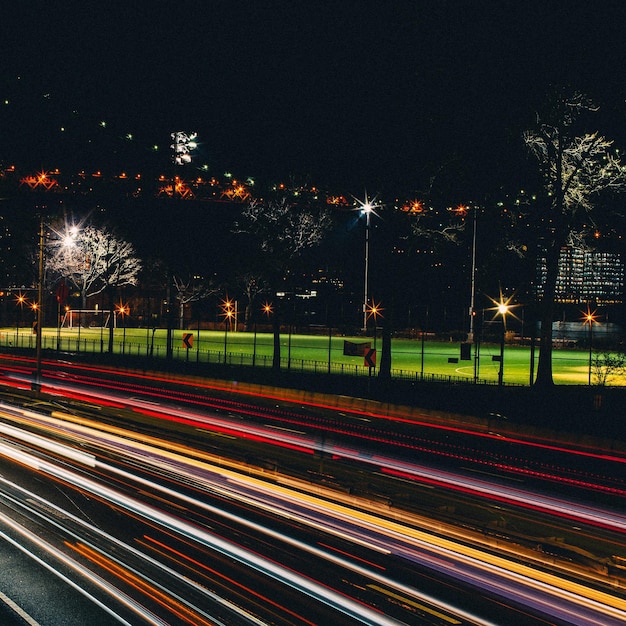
282	550
535	460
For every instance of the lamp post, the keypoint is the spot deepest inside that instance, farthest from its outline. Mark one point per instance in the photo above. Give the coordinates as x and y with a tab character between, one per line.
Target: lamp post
590	318
367	207
229	313
39	321
470	334
374	310
20	300
123	310
502	308
267	310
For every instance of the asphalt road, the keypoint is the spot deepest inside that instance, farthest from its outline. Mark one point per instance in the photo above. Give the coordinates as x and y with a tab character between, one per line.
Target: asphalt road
189	536
295	557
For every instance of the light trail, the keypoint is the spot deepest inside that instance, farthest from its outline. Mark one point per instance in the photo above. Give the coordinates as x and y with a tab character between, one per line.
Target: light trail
255	392
307	586
44	507
495	570
578	513
145	615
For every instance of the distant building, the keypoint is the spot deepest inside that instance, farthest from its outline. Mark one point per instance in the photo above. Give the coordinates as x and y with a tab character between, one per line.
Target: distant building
586	276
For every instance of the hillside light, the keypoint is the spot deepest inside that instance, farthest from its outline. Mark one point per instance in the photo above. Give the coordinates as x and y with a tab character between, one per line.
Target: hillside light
183	145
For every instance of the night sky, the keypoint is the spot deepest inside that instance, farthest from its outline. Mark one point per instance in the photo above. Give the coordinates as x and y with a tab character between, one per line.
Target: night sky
348	95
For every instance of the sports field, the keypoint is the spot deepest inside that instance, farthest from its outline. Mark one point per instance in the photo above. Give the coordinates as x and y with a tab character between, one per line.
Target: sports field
410	357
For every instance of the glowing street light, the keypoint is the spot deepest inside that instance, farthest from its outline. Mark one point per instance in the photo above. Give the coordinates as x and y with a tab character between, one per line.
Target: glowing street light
266	309
367	207
123	310
229	314
590	318
502	308
20	301
374	310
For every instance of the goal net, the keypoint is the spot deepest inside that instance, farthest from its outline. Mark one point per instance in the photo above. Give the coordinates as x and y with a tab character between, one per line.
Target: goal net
87	318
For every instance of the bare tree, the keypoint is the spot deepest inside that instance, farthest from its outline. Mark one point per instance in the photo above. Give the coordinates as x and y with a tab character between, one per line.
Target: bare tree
93	261
252	284
575	169
281	233
96	260
190	289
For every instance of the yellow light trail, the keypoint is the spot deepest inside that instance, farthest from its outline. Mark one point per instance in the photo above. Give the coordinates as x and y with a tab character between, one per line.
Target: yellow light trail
569	590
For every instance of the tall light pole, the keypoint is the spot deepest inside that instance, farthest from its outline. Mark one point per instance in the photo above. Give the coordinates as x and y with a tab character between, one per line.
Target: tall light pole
267	310
183	144
367	207
470	334
39	322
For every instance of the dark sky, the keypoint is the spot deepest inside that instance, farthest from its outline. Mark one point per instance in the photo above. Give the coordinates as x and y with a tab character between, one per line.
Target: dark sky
350	93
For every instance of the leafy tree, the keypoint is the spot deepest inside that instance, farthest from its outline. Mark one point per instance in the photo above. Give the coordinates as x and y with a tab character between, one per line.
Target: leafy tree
575	169
607	365
281	233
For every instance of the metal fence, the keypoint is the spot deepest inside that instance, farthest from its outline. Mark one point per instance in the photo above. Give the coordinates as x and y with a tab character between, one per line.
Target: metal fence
57	343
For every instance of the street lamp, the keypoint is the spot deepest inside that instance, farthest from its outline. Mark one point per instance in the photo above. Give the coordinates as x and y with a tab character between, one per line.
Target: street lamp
267	311
123	310
229	314
374	310
20	300
39	304
367	207
590	318
502	308
470	335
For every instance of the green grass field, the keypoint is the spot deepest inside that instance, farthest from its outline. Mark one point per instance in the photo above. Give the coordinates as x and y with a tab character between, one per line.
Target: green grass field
311	352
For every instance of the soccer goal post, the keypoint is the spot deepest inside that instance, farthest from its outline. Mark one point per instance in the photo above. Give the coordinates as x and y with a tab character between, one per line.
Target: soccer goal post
87	318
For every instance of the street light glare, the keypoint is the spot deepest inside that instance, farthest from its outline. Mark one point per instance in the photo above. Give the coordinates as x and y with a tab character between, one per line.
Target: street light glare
503	307
367	205
374	310
590	317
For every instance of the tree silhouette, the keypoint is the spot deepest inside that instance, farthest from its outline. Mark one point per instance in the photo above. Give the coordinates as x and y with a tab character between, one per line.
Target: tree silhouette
576	167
